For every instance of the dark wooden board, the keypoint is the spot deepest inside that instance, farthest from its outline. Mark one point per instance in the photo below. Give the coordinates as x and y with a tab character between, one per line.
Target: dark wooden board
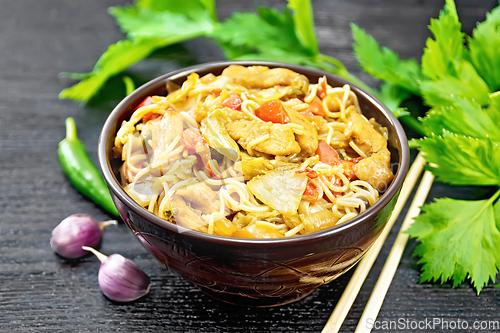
40	292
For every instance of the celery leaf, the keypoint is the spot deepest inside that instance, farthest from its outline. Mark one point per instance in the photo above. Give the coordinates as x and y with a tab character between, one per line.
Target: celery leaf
115	59
383	63
304	24
194	9
493	108
174	25
459	239
466	83
464	117
392	96
275	39
484	49
441	53
462	160
150	25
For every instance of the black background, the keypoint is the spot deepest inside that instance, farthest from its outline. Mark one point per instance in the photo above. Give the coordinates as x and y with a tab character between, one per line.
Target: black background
40	292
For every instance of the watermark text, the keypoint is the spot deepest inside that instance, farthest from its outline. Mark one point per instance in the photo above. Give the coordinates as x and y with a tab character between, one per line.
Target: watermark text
437	324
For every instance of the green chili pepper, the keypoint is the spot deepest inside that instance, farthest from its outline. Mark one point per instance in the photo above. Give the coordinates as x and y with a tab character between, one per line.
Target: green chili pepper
81	171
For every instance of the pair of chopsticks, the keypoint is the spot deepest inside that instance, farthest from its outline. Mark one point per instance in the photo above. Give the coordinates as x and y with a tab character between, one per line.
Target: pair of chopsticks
384	281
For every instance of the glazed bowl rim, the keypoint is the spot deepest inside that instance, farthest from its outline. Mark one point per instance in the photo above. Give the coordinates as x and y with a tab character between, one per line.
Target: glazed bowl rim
122	196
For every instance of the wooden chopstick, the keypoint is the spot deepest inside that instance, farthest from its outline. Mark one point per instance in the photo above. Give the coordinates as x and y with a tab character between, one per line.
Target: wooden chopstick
384	281
358	278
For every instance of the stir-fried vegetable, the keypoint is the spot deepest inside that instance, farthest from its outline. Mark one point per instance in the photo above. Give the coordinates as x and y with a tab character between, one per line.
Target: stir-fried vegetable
214	130
252	167
281	190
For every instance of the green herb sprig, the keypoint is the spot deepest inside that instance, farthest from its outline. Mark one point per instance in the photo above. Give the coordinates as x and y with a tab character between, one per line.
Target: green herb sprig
267	34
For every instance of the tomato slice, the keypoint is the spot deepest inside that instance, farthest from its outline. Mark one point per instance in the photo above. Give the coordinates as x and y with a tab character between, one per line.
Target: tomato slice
233	101
321	92
216	91
306	113
327	154
196	143
316	107
348	170
192	139
145	102
311	193
273	111
151	115
309	173
330	156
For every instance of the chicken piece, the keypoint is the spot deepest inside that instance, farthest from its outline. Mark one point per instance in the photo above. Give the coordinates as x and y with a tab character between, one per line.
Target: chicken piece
163	132
281	139
376	167
376	170
308	141
184	215
364	135
260	76
200	197
320	220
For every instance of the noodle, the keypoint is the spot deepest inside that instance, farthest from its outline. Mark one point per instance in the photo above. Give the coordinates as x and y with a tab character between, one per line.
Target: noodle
276	184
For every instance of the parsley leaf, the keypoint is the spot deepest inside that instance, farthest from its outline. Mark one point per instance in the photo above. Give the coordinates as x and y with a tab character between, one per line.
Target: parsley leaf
441	54
383	63
467	83
464	117
116	58
462	160
484	49
458	239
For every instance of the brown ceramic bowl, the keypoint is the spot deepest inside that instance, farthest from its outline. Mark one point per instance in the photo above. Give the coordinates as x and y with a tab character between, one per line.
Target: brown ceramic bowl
255	272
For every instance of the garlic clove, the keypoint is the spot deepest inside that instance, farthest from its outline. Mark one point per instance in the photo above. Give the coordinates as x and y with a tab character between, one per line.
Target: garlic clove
120	279
75	231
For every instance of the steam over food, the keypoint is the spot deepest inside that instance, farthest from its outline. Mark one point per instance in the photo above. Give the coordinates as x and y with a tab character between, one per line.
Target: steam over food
253	153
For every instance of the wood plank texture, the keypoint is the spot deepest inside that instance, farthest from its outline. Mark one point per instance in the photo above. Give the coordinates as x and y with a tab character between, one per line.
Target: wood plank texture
40	292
